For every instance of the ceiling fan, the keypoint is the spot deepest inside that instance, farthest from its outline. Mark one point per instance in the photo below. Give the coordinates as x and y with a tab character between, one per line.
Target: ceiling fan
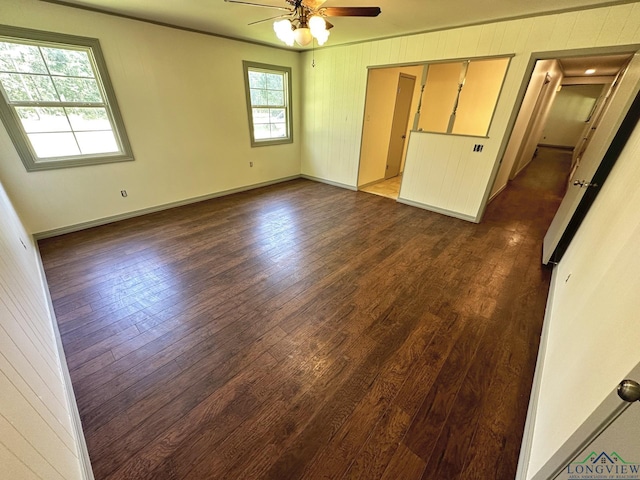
305	19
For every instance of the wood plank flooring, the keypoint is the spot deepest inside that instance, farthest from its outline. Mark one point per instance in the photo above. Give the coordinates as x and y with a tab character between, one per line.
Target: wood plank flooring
306	331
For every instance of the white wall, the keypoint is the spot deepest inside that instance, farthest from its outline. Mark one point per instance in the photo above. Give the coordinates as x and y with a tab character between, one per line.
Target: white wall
540	115
334	91
382	89
183	102
569	113
593	328
523	119
38	439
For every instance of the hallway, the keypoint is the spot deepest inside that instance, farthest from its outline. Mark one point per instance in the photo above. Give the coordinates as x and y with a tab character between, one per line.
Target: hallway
305	331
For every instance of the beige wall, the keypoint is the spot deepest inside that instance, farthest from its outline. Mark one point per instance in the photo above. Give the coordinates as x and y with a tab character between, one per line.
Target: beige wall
593	318
378	117
331	129
479	96
569	113
439	96
183	102
38	439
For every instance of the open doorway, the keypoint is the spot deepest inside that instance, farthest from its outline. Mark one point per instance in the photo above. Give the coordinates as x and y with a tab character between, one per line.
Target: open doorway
561	109
565	116
392	95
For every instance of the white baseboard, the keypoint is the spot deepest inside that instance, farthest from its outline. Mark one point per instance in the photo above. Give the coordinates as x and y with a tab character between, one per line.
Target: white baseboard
329	182
500	190
136	213
81	445
442	211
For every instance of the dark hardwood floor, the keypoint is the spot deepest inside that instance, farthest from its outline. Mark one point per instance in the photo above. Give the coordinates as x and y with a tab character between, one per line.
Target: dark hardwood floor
306	331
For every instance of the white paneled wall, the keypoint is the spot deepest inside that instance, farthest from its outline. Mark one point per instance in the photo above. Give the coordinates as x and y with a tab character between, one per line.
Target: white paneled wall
334	93
37	437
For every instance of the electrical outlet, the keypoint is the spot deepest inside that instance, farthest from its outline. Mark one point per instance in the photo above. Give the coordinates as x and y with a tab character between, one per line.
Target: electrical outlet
478	147
251	164
123	193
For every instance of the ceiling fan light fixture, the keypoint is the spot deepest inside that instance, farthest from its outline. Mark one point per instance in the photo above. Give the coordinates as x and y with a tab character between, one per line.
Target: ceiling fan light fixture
322	37
317	25
284	31
303	36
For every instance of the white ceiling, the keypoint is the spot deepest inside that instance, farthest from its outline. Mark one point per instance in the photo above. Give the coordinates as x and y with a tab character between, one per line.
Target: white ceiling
606	65
398	17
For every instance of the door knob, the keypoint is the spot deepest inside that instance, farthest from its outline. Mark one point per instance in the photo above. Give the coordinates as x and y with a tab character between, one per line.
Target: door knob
583	183
629	391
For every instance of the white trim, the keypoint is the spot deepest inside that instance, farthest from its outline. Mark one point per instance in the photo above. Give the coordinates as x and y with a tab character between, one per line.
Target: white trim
81	445
360	187
136	213
442	211
329	182
500	190
527	436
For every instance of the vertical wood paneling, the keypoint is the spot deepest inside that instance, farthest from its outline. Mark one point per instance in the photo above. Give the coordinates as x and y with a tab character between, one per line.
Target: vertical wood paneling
586	29
631	30
611	21
614	25
12	467
37	438
483	46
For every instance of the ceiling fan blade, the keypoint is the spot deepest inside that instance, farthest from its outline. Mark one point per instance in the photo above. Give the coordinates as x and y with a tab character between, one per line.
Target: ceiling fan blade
258	5
313	4
350	11
329	25
268	19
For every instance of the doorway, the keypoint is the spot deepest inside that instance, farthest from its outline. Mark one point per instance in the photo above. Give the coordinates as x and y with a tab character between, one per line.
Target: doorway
589	84
392	95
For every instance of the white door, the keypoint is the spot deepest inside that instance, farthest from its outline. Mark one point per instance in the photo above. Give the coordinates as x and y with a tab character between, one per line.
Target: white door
609	123
606	446
401	113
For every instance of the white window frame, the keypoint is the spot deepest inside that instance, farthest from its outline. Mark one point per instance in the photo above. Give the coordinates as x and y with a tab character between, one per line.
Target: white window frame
14	126
286	73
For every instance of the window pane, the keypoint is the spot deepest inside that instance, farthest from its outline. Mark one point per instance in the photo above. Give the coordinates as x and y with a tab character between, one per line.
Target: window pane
47	145
257	80
69	63
260	115
258	97
275	97
97	142
15	57
275	81
78	90
278	130
261	131
277	115
88	119
36	120
28	88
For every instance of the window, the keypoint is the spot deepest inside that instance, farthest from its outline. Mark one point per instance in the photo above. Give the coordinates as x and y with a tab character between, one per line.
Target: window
268	91
58	104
